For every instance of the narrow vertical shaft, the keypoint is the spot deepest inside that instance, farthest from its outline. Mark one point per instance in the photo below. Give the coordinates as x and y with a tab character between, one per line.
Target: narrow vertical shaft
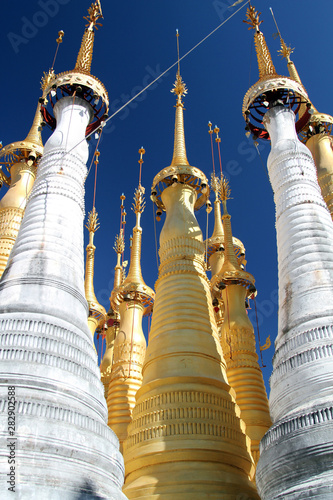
126	376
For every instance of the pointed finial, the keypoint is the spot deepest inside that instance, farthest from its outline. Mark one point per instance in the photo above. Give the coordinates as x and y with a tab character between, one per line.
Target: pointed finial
92	223
140	161
216	186
119	244
265	63
252	18
30	149
284	51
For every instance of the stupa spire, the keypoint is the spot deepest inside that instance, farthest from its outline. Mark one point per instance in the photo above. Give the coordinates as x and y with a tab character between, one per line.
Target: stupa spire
179	89
130	299
79	82
271	89
113	317
265	63
84	58
97	313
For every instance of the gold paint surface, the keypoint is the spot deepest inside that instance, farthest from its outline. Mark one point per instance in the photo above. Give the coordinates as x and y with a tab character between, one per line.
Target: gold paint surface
186	439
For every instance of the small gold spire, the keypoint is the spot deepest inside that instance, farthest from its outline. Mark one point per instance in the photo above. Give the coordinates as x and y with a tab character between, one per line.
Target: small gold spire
84	58
34	136
265	63
179	89
218	227
230	261
97	313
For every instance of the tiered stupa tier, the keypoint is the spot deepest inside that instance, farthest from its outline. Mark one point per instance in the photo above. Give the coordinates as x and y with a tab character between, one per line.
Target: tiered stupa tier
186	440
297	452
131	299
237	334
65	450
317	135
20	159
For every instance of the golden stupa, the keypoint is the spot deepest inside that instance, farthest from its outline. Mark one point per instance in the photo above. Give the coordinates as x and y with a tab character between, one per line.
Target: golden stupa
186	439
113	317
235	286
130	299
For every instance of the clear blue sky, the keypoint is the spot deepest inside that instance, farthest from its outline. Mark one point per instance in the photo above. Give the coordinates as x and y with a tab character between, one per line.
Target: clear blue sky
135	44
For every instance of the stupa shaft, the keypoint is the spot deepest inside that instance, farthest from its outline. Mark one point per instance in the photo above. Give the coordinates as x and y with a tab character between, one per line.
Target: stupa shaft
186	440
47	349
126	375
297	452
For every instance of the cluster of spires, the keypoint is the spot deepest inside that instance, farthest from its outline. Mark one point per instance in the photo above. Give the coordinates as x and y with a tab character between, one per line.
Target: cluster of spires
230	286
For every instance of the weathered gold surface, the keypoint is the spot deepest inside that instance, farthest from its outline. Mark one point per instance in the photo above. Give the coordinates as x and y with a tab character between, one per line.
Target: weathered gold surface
238	345
97	313
186	440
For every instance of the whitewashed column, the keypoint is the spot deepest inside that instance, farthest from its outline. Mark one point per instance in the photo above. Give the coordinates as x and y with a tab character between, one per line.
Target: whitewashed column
297	452
63	445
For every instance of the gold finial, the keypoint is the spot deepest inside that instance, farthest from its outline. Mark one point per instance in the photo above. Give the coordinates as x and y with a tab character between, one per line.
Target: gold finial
252	17
216	186
284	51
216	131
60	37
139	201
119	244
179	89
95	13
46	79
97	313
265	63
140	161
84	58
225	190
210	130
30	149
92	223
